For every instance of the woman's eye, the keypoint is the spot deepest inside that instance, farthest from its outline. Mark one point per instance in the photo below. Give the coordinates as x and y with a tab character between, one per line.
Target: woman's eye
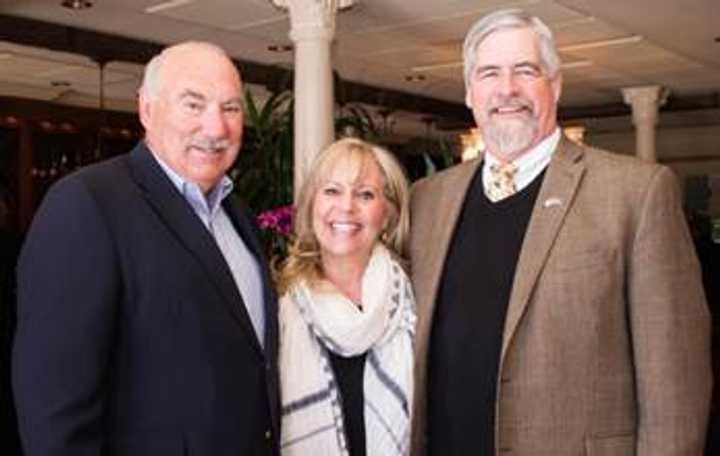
367	195
330	191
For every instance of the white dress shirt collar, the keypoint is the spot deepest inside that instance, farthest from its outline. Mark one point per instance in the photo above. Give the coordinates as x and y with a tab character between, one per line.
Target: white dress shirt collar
529	165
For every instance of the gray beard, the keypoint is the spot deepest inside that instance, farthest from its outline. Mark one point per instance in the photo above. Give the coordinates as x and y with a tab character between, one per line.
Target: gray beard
509	138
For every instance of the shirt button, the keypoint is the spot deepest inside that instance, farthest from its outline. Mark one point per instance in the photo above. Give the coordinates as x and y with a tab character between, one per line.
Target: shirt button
268	434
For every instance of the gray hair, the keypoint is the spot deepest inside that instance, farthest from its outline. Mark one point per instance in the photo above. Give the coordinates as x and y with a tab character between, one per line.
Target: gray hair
152	82
504	20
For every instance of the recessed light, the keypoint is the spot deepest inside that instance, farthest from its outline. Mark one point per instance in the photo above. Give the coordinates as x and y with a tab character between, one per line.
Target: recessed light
60	83
415	77
77	4
717	39
280	48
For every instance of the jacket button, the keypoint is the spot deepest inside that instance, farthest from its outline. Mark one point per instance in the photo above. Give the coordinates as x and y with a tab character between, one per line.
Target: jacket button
268	434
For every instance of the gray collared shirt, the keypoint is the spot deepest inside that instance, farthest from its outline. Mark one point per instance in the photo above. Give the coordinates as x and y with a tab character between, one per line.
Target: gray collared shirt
243	265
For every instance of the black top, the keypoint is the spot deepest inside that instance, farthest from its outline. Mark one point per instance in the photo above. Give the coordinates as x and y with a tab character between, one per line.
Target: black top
466	337
349	374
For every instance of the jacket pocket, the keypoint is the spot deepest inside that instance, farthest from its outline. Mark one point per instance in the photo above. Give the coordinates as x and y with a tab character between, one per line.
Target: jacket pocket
612	445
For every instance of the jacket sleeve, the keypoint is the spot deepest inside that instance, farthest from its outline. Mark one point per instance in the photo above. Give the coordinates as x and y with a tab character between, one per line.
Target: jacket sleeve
68	289
670	327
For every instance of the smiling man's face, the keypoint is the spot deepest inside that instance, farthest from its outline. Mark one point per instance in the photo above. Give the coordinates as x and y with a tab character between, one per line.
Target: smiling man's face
513	99
194	123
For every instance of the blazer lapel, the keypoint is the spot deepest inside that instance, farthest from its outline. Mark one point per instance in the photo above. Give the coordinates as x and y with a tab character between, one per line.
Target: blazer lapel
556	195
180	219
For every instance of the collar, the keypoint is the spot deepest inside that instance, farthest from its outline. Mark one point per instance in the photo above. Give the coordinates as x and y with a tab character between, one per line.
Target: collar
206	206
529	165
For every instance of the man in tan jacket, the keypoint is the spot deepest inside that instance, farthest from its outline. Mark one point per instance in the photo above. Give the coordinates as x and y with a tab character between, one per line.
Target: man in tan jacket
560	304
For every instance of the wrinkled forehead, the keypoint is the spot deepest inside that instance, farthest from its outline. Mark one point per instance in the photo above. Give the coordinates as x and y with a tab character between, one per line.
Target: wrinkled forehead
201	70
509	47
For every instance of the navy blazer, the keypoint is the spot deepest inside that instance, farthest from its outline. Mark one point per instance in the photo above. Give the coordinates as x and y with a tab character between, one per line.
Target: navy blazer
132	337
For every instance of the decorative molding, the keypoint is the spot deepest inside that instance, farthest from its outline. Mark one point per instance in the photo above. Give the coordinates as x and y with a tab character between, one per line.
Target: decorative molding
312	19
645	101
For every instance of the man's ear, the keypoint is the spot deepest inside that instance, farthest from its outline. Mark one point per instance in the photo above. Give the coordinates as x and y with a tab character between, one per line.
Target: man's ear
557	86
468	98
144	109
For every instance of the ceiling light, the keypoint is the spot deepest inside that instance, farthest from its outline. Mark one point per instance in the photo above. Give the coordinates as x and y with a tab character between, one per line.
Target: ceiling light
576	64
77	4
601	43
167	5
60	83
437	66
717	39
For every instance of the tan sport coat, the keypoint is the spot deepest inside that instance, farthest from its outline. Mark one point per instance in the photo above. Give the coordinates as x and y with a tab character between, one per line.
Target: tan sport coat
606	346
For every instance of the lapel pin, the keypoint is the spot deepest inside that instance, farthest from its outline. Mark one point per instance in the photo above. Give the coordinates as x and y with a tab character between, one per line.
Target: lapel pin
552	202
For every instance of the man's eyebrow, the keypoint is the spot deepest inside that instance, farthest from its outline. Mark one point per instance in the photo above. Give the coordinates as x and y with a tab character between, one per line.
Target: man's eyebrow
527	63
481	68
189	93
238	100
523	64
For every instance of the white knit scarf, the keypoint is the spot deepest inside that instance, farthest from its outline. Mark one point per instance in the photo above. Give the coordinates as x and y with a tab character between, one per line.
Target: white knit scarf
313	322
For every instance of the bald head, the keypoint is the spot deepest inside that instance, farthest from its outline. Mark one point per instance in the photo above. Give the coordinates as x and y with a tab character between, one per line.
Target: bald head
190	104
158	66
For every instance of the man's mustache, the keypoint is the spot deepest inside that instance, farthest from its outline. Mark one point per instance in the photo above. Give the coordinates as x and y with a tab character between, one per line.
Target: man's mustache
210	144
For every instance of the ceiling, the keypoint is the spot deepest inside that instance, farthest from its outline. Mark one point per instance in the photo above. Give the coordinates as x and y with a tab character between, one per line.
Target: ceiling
604	45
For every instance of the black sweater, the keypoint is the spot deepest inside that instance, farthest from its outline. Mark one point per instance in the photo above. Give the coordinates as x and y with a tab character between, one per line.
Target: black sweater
469	317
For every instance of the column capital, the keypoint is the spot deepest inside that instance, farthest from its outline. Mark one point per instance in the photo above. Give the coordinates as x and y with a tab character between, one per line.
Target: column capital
312	19
645	102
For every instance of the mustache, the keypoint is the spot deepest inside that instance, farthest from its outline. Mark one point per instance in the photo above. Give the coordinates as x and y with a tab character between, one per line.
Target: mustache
211	144
515	102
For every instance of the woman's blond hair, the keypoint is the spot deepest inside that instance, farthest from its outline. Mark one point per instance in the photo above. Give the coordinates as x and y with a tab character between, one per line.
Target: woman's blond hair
303	261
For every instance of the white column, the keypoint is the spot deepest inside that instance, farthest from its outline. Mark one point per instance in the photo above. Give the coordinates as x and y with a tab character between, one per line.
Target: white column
312	29
645	103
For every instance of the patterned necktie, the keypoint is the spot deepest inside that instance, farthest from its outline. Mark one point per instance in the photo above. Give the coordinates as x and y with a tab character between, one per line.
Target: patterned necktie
501	183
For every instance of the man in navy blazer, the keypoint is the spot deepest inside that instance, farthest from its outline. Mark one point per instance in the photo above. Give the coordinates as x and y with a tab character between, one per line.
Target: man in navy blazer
146	319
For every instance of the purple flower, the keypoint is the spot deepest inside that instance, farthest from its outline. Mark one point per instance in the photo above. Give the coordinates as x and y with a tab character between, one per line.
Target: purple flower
278	220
